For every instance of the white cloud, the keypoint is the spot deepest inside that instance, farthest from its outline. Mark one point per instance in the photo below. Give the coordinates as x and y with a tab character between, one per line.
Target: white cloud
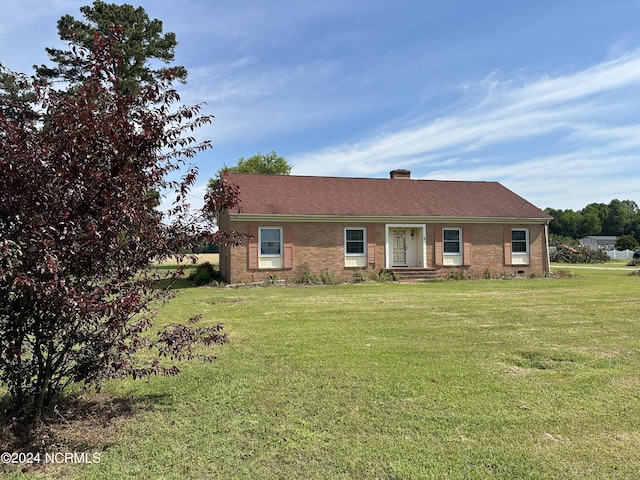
509	126
377	92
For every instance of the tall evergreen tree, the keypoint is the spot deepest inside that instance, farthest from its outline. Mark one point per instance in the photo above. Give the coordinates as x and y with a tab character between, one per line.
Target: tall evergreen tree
16	93
142	42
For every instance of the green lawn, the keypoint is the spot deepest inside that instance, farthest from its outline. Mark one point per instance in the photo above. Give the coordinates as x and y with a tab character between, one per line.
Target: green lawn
523	379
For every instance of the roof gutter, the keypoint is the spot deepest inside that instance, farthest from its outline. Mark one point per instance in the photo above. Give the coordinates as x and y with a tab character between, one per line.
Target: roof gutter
245	217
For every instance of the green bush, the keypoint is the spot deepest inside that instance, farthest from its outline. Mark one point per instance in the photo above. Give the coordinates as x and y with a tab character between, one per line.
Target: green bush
383	275
626	242
578	254
204	274
326	276
307	276
330	278
271	280
457	274
360	276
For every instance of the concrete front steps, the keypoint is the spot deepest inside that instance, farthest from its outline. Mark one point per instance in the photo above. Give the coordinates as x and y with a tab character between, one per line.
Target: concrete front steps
410	274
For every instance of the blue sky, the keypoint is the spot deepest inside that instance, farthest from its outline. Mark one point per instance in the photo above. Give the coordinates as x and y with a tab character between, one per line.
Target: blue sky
541	96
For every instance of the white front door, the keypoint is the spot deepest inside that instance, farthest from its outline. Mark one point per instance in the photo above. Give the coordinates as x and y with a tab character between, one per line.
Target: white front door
399	248
405	245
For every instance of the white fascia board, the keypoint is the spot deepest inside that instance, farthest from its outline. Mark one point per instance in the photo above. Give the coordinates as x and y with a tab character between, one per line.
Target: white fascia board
244	217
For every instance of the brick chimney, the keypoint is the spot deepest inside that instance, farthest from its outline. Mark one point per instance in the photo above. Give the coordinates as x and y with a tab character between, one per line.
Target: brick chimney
400	173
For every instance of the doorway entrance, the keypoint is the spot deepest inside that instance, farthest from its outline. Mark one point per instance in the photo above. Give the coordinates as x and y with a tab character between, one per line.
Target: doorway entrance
399	247
406	245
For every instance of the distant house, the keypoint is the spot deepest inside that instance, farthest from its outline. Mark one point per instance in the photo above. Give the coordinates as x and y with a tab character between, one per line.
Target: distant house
602	242
304	223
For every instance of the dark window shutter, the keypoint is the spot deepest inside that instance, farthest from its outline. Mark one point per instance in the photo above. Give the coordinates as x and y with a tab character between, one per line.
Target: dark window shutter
371	245
507	246
438	246
288	247
466	238
252	230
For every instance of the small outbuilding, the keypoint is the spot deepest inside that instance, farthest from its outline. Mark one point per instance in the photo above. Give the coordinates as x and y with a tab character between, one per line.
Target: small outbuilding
599	242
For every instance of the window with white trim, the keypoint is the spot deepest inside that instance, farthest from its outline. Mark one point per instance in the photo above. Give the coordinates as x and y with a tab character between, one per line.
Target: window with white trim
520	246
355	247
452	246
270	247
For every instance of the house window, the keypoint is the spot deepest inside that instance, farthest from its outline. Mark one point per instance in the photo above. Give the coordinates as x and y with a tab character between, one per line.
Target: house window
452	246
270	241
451	239
520	246
354	241
355	248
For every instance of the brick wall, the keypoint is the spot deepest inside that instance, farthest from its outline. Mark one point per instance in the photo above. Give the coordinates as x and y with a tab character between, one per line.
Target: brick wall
488	253
320	246
316	248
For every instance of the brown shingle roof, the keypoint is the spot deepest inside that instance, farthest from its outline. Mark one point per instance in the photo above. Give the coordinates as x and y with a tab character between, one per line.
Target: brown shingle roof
378	197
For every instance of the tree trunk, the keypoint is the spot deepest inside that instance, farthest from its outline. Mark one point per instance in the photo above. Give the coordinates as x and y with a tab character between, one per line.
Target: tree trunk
43	393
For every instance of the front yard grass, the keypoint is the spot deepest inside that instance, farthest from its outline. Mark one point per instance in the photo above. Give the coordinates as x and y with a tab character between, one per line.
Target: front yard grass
526	379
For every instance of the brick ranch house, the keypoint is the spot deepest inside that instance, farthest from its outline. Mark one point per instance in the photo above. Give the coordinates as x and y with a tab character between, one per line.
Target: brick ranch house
303	223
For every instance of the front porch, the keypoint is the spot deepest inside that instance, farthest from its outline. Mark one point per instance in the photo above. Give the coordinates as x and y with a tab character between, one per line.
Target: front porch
409	274
406	246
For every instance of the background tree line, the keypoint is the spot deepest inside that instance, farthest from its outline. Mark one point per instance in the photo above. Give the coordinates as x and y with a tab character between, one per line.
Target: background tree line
619	218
